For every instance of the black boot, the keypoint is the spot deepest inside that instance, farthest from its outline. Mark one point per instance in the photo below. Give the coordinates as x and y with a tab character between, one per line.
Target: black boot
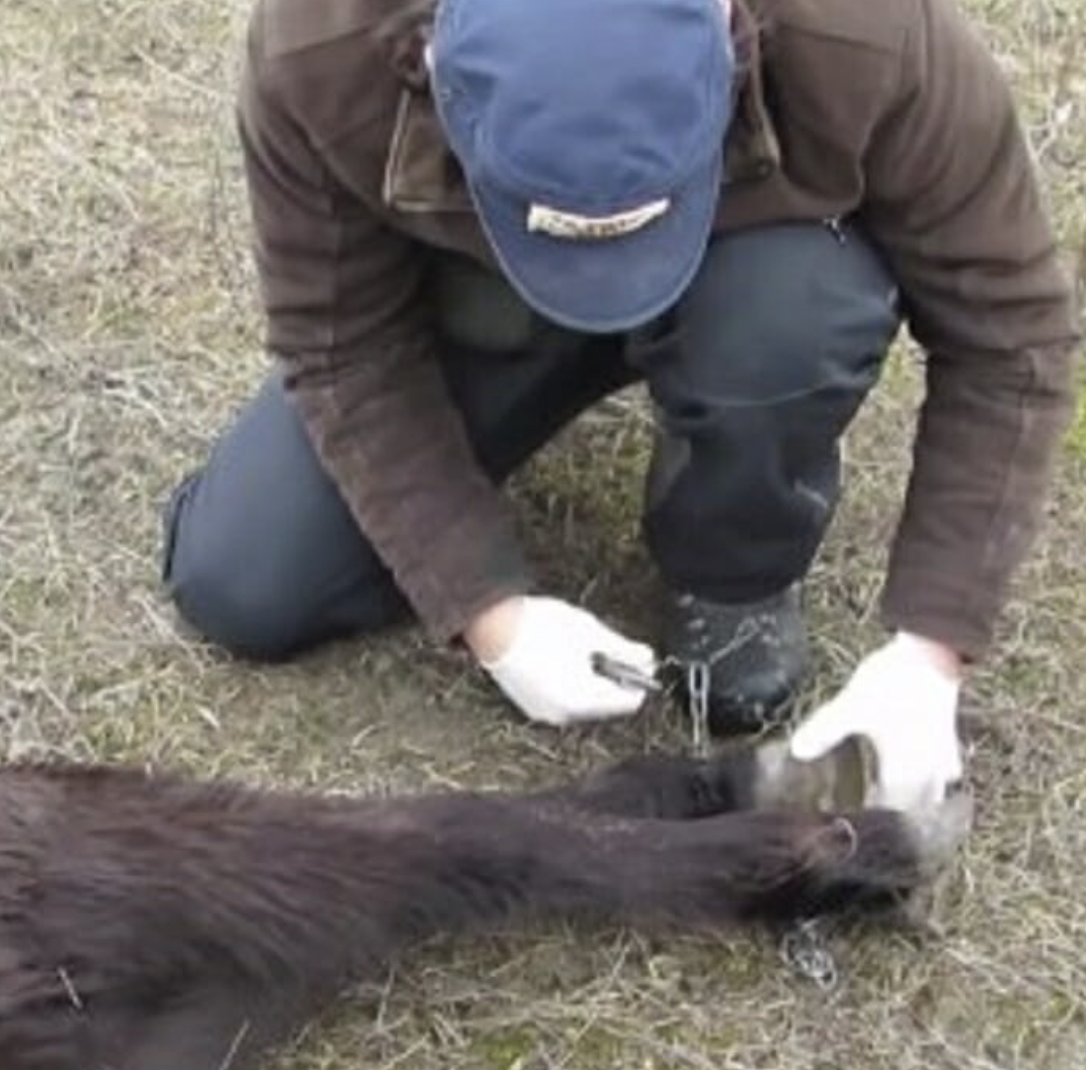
757	655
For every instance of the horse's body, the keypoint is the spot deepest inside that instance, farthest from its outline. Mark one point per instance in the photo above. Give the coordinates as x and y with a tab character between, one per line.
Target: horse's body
147	923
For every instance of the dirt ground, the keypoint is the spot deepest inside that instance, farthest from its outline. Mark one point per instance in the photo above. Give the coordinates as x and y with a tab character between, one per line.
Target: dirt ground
128	335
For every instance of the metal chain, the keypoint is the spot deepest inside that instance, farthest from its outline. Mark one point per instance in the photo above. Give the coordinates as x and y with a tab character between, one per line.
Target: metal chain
804	950
697	688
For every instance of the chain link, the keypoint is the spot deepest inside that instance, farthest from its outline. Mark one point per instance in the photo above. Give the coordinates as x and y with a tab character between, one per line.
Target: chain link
805	951
697	687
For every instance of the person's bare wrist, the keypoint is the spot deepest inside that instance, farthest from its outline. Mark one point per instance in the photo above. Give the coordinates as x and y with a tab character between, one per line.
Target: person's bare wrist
942	657
489	635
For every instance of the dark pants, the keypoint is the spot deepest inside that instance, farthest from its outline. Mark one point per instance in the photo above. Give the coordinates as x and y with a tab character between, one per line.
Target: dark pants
754	376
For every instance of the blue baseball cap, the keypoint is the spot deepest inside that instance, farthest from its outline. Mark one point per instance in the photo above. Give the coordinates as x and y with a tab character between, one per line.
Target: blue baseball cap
591	136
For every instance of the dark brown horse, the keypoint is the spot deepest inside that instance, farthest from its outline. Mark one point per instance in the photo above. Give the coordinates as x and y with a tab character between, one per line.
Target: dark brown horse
147	923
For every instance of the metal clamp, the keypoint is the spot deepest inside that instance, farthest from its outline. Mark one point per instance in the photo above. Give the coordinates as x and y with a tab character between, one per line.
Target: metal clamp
625	675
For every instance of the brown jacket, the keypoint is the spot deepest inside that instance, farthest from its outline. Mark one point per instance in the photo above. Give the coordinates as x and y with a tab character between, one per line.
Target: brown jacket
888	111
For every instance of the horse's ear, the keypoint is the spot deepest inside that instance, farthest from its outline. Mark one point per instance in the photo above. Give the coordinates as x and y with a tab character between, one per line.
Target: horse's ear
404	36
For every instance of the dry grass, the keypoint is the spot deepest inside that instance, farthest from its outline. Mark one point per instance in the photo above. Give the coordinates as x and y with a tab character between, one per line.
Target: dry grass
128	332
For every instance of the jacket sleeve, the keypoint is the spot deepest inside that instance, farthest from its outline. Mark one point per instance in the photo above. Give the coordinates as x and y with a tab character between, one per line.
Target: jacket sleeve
954	202
341	293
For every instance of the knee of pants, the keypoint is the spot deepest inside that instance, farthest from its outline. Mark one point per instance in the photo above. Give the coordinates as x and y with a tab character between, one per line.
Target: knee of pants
237	610
776	313
233	596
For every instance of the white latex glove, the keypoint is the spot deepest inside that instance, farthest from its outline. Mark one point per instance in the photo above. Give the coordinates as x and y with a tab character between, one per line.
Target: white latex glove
906	705
547	669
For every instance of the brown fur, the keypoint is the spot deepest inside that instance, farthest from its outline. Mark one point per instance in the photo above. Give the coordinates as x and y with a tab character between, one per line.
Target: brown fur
148	923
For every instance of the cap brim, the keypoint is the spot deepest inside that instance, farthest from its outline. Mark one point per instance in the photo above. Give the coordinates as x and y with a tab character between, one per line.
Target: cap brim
609	285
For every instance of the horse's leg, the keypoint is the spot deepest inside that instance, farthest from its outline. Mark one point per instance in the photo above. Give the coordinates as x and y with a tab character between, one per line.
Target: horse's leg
752	776
667	786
